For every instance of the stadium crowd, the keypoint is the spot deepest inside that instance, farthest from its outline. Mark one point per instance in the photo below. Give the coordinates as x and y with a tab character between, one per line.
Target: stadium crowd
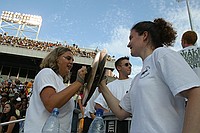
13	41
17	94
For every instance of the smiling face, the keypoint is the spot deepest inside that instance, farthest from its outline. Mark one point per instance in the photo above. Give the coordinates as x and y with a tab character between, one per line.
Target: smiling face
135	43
65	63
125	68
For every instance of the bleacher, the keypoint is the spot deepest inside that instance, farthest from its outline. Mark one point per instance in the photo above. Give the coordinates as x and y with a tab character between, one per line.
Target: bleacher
20	57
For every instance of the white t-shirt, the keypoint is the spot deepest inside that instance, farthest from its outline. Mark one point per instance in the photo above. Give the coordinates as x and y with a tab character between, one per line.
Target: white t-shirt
118	88
192	55
154	98
36	114
90	104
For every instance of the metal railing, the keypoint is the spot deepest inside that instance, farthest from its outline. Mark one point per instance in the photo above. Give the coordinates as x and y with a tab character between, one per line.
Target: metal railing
21	130
9	122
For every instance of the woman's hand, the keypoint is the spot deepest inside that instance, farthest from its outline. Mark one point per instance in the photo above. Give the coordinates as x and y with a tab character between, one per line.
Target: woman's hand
102	84
81	74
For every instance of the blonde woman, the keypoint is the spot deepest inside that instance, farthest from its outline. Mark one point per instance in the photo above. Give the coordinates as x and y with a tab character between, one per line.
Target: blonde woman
50	92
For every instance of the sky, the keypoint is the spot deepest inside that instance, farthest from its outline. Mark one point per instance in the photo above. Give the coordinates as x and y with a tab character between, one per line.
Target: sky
105	24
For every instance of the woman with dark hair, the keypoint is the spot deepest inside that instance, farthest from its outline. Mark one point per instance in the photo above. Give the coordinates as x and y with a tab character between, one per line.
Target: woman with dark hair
157	95
9	114
49	91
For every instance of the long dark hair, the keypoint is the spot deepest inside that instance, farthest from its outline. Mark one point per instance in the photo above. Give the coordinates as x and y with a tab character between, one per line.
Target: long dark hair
6	116
161	32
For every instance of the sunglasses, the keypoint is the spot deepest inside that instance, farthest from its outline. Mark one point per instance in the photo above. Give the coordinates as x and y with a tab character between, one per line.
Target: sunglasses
127	64
68	58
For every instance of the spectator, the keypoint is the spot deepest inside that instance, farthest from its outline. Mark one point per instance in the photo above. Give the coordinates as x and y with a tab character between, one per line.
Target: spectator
79	110
190	50
118	87
4	99
9	114
45	46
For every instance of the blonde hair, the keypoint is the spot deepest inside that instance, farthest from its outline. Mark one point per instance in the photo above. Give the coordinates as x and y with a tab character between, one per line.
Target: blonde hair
50	61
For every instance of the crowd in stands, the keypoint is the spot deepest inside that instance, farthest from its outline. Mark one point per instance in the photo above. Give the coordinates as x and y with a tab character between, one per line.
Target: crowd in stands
13	41
16	94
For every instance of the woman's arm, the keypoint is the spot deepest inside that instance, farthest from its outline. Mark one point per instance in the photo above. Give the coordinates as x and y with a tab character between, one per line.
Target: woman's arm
0	129
11	126
51	99
112	101
192	114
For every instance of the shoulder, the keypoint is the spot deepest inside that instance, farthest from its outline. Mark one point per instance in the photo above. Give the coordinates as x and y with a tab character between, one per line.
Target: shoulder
112	82
165	52
13	118
190	48
45	72
129	79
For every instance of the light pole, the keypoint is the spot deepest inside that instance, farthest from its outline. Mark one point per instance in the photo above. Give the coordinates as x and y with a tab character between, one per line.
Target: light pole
21	23
188	9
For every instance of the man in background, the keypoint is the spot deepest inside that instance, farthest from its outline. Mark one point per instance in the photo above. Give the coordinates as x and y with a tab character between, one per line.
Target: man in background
190	51
118	87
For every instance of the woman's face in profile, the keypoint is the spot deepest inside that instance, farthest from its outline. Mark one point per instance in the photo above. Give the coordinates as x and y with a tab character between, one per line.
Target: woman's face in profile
65	63
6	108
